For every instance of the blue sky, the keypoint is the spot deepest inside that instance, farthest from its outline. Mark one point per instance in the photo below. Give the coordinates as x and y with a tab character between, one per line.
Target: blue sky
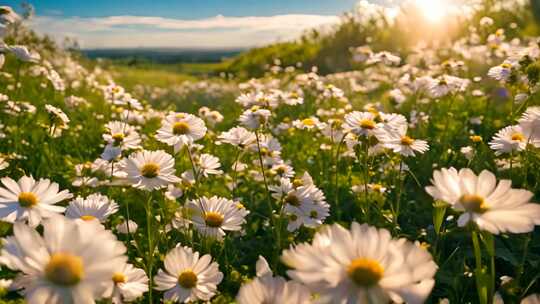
188	9
183	23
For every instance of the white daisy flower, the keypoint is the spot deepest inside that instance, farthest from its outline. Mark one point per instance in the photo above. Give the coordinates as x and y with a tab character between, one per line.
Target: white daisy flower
22	53
361	123
123	135
309	123
30	200
511	139
501	72
362	265
531	299
213	216
59	120
71	263
150	170
398	141
188	277
208	164
8	15
94	207
180	129
3	163
254	117
123	227
530	120
267	289
386	58
173	192
493	207
238	136
129	283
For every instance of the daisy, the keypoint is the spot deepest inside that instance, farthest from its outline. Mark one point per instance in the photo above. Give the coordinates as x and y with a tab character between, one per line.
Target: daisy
123	227
530	120
59	120
510	139
22	53
308	123
208	164
213	216
501	72
173	192
362	53
93	207
188	277
254	117
398	141
123	135
7	15
361	123
303	202
3	163
238	136
362	265
386	58
493	207
70	263
531	299
129	283
282	170
30	200
150	170
180	129
267	289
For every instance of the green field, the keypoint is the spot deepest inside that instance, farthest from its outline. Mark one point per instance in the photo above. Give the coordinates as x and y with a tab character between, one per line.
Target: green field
352	166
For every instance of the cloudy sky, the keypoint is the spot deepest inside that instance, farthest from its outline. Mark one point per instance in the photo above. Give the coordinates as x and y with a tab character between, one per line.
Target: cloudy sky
182	23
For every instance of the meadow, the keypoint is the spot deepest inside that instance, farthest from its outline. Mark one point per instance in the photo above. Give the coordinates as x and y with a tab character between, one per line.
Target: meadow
392	173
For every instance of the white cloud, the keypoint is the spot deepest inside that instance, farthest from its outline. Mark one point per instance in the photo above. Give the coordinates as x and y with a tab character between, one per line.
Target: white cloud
214	32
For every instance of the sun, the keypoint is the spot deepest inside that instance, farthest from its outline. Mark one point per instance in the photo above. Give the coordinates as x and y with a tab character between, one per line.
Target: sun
433	10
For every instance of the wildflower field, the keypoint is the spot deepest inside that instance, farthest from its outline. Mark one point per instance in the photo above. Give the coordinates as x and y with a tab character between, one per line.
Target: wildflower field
408	175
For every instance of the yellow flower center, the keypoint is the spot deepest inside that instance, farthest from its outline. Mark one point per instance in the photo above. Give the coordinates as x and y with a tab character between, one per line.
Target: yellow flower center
367	124
118	138
293	217
87	218
180	128
376	188
213	219
365	272
27	199
297	182
187	279
476	138
407	141
150	170
240	206
119	277
506	66
281	170
518	137
292	199
473	203
313	214
64	269
308	122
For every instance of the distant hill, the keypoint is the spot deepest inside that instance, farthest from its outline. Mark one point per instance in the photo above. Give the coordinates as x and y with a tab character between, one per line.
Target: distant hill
163	55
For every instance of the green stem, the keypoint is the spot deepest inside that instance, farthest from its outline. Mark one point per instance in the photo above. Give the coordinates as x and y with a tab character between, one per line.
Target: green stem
235	173
150	257
269	201
480	288
336	194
